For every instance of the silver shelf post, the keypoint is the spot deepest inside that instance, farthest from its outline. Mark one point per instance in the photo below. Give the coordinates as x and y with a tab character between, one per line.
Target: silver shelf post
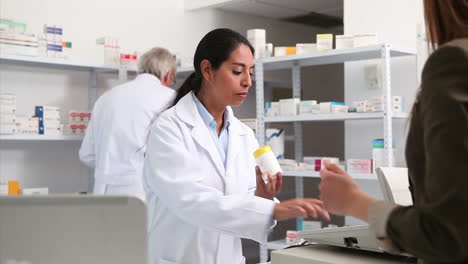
260	104
260	108
296	83
388	111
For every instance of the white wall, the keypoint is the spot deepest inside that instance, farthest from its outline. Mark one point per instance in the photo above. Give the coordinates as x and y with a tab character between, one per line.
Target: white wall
396	23
140	25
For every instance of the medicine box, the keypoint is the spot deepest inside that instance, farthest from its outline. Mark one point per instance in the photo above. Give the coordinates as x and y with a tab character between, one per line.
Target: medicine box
289	107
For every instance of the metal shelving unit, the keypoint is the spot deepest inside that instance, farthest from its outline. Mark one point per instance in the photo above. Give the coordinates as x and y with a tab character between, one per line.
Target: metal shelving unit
52	63
316	174
295	62
71	65
332	117
41	138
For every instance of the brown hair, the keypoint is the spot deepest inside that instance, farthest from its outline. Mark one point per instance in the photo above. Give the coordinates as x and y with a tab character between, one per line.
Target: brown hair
446	20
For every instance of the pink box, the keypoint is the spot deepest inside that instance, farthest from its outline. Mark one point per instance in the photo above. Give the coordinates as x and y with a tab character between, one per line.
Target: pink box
78	117
359	166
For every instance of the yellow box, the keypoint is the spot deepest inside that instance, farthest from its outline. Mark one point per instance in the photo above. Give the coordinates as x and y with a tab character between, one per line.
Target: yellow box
290	50
324	36
324	42
13	188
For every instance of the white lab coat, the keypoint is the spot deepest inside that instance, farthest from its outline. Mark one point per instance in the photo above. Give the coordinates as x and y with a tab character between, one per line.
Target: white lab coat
118	129
198	209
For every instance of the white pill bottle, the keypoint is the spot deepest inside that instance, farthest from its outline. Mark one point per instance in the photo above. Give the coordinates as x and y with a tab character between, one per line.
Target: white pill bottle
267	162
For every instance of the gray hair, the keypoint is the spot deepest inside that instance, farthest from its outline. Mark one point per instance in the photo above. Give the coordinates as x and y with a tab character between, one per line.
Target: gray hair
157	61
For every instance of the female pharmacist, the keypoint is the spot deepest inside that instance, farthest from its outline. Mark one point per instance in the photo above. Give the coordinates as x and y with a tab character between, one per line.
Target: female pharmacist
435	228
203	190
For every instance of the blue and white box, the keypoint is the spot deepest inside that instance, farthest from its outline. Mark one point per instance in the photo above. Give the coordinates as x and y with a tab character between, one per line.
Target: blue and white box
271	109
275	139
49	119
328	107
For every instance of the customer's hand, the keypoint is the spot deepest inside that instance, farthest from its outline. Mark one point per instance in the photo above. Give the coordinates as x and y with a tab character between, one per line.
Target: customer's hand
272	188
340	194
300	208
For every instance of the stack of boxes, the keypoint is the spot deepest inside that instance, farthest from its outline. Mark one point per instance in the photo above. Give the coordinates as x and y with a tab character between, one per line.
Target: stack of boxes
111	49
7	114
66	50
378	104
128	59
10	188
324	42
272	109
285	51
294	106
333	108
289	107
309	107
77	122
305	48
27	125
344	42
46	121
356	40
14	39
49	120
257	37
51	44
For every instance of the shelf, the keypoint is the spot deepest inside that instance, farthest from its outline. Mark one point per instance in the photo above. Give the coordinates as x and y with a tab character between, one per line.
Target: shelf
62	64
277	244
331	57
59	64
316	174
333	117
275	83
40	138
182	72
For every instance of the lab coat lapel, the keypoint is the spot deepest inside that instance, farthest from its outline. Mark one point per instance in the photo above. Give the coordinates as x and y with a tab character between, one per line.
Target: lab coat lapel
236	132
187	110
201	135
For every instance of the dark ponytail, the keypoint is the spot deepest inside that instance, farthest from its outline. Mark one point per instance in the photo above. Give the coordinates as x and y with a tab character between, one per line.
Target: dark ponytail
216	47
192	83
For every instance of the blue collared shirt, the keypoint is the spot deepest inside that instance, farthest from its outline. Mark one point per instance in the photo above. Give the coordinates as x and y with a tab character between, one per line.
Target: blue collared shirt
221	141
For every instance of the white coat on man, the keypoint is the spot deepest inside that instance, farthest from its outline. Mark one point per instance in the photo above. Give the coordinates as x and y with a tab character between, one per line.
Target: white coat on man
199	209
114	144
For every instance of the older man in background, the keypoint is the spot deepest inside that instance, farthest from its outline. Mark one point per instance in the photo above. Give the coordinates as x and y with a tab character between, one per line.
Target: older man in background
115	139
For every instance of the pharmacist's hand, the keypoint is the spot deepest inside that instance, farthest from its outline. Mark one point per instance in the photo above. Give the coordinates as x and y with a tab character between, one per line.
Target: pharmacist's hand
270	189
340	193
300	208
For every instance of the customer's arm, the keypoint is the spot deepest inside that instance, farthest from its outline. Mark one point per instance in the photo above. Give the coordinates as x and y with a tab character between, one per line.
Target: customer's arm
437	230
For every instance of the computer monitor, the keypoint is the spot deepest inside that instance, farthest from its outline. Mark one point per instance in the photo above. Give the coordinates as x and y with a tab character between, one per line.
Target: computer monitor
72	229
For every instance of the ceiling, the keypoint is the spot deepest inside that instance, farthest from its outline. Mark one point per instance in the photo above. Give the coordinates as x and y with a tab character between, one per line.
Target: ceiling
320	13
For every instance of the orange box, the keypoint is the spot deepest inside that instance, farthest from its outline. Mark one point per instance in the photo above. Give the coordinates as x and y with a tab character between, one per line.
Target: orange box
13	188
290	50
